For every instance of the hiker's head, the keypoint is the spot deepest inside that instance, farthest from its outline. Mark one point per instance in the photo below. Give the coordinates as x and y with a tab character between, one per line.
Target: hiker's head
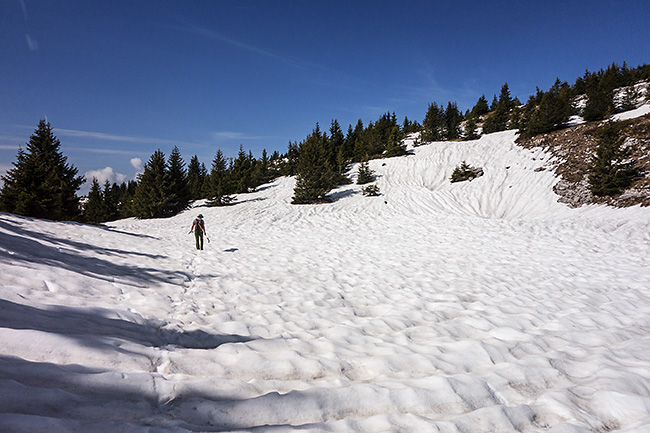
200	216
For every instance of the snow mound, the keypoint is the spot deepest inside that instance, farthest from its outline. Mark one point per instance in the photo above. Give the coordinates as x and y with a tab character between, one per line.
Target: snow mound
467	307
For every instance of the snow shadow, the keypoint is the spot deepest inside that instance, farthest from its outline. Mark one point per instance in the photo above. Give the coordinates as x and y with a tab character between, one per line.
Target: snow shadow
46	396
92	328
40	248
338	195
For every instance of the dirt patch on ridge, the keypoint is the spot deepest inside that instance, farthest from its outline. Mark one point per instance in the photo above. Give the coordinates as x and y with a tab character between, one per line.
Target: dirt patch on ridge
573	149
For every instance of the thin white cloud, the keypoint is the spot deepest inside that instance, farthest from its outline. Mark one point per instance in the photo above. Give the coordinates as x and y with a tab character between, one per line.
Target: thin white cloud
32	44
207	33
105	174
288	59
121	138
23	6
102	150
9	147
231	135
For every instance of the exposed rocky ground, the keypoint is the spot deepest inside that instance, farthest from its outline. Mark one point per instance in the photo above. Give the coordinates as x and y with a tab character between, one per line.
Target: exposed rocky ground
574	148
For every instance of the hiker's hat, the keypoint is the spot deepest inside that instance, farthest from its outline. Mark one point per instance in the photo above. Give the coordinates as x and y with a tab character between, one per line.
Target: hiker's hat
200	216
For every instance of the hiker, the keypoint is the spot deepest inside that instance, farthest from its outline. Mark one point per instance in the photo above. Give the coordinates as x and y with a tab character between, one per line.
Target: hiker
198	227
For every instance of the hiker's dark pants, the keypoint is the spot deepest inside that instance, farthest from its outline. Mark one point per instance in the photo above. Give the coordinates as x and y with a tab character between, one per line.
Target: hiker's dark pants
198	234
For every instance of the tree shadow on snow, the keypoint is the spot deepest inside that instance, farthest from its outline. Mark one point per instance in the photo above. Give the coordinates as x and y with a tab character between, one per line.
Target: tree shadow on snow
40	248
338	195
92	328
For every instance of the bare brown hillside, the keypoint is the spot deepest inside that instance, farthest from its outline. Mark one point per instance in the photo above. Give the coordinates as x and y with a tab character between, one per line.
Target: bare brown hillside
573	148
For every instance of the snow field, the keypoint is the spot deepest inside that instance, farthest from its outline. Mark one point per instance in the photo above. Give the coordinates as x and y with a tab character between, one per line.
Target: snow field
471	307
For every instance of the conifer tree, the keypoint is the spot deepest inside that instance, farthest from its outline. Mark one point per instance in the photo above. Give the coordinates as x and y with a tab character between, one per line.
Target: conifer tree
241	171
365	174
125	201
179	190
290	160
94	209
315	175
395	146
553	112
367	143
433	123
481	107
470	129
152	197
452	118
600	102
337	144
42	184
610	170
261	171
111	198
220	188
494	104
196	173
499	118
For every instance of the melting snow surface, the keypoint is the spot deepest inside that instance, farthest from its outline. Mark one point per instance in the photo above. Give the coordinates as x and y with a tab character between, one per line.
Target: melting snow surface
482	306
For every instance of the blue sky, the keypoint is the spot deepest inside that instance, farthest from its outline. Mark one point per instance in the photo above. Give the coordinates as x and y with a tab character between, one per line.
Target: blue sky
119	79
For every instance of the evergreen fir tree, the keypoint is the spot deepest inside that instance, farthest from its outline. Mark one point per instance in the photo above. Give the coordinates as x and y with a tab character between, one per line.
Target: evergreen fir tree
368	143
242	170
125	202
395	146
499	118
337	145
179	189
315	175
553	112
630	98
433	123
600	102
365	174
290	164
220	188
262	171
452	118
196	173
111	200
470	129
610	170
42	184
481	107
494	104
152	197
94	209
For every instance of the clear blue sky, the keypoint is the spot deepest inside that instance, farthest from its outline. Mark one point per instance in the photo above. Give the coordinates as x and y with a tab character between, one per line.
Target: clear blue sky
119	79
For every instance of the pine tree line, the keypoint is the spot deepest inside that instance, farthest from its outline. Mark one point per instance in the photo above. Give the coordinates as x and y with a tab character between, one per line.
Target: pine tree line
322	159
42	184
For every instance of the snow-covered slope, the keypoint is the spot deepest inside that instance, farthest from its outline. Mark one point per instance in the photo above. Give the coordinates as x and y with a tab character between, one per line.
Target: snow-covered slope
481	306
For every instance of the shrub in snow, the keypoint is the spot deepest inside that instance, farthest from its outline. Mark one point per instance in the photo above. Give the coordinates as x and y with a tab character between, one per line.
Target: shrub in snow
370	191
465	172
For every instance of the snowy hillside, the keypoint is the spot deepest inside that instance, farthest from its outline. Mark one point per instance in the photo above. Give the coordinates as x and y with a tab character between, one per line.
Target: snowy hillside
482	306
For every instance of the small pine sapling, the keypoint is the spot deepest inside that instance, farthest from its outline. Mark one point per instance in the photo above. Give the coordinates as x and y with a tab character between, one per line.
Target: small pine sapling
370	191
465	172
365	174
